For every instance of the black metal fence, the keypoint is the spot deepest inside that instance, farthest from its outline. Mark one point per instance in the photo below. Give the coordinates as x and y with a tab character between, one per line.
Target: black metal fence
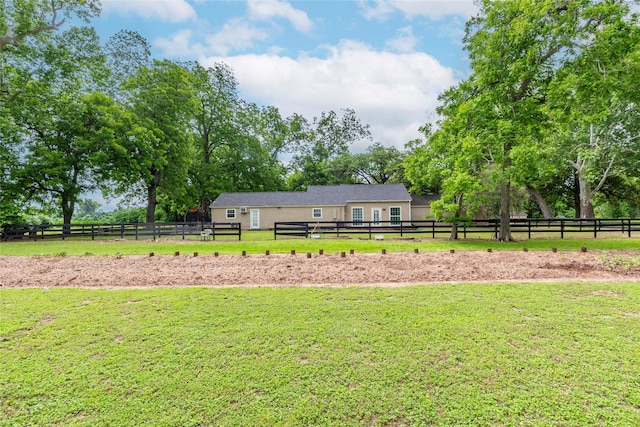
551	228
135	231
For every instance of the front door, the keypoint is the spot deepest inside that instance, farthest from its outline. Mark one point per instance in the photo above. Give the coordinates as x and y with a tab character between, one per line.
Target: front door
376	214
255	218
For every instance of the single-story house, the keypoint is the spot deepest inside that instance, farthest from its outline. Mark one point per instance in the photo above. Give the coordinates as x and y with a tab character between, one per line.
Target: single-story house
347	202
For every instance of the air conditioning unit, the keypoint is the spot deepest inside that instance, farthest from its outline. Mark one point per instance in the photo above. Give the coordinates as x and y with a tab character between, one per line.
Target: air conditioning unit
244	209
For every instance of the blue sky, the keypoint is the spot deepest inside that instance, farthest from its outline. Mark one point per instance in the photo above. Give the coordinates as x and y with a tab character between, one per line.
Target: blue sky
386	59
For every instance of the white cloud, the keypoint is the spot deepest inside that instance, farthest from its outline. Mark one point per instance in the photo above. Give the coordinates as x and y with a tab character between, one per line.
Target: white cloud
268	9
433	9
378	10
405	42
179	45
164	10
235	35
393	93
452	30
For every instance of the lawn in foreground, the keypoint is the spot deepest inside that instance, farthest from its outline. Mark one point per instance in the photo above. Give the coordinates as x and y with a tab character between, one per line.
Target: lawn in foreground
503	354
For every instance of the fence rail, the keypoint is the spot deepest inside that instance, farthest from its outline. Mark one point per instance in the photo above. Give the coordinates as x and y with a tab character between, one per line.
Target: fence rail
528	226
134	231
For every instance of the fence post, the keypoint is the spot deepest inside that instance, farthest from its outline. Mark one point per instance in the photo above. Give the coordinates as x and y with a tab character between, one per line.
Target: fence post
595	228
275	231
562	228
433	229
529	229
239	231
401	225
628	227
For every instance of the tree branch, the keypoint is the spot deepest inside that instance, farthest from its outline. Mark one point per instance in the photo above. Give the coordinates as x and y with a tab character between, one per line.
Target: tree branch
604	175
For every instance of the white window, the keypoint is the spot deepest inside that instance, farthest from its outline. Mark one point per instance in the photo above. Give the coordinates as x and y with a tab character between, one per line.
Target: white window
376	216
317	212
357	215
395	215
231	214
254	214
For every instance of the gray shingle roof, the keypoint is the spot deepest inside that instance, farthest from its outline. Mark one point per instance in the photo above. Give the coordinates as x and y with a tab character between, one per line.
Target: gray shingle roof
426	200
318	195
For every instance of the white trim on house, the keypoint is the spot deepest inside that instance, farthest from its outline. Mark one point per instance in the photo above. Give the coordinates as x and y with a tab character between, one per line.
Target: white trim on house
376	216
359	221
231	213
254	219
397	218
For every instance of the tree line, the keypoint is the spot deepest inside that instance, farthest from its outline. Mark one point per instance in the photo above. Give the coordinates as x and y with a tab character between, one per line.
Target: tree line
79	116
549	113
546	122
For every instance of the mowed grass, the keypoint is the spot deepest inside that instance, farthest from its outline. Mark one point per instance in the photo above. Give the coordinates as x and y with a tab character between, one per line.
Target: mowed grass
259	242
503	354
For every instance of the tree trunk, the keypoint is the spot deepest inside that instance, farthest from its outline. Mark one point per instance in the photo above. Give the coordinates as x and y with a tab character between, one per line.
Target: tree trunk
586	192
67	214
539	200
152	201
204	203
586	197
454	231
152	198
575	188
584	189
454	225
504	233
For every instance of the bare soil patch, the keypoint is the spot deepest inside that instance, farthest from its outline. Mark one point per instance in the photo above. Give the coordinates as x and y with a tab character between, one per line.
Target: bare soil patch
392	269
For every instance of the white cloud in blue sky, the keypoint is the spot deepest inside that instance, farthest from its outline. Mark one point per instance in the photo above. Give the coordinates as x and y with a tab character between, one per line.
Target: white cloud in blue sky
387	59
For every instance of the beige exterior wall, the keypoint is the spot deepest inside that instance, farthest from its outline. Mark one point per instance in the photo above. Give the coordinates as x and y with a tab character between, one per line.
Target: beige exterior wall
269	215
418	213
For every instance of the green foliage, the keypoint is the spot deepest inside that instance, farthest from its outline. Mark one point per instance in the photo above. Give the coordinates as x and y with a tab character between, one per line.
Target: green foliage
508	354
153	147
21	21
550	91
52	121
317	144
377	165
132	215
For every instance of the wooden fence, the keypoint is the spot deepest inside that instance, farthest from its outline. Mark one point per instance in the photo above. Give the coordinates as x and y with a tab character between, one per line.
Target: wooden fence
551	228
135	231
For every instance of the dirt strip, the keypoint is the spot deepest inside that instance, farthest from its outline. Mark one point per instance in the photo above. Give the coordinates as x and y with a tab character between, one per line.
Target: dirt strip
392	269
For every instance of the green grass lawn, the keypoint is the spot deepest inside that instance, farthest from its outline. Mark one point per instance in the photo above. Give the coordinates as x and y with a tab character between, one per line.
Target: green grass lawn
507	354
258	243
